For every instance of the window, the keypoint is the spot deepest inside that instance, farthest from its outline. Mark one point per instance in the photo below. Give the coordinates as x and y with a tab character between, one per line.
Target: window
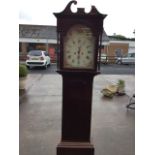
46	53
132	55
35	53
118	52
20	47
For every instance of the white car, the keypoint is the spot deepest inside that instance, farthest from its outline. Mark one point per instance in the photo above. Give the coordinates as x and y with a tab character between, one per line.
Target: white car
38	58
129	59
104	59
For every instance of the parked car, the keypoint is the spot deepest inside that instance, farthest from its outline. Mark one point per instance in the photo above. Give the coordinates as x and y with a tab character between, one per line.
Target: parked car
38	58
128	59
104	59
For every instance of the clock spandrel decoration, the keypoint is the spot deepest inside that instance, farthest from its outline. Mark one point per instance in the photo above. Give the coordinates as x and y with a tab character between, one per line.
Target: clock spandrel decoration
79	38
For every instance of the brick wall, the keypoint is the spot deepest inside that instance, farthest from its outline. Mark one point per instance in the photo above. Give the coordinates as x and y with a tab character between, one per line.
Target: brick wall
111	49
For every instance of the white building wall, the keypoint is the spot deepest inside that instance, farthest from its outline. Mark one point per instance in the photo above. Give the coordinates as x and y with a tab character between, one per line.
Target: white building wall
131	47
33	40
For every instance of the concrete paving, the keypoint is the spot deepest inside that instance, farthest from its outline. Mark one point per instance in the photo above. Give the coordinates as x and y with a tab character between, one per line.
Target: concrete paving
113	126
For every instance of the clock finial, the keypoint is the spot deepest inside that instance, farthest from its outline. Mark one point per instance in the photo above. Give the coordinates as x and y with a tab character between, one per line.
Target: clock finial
68	7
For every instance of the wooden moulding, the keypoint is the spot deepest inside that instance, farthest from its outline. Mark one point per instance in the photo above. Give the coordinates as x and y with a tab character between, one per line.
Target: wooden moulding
75	148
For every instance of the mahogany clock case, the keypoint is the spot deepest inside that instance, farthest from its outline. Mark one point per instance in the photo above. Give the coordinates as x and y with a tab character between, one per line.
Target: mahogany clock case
67	19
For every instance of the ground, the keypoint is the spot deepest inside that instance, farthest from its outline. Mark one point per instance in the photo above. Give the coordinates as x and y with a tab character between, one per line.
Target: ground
112	128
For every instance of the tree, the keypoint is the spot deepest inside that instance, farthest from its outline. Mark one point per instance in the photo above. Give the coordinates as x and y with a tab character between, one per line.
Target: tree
120	37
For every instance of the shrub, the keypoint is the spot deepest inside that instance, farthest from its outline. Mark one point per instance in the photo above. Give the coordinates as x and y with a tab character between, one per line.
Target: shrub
121	87
121	83
23	70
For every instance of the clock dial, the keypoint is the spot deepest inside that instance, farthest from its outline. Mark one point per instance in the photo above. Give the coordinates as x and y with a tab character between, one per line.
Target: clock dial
79	46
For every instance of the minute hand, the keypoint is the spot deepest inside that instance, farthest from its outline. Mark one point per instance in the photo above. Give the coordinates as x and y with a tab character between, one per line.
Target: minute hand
79	51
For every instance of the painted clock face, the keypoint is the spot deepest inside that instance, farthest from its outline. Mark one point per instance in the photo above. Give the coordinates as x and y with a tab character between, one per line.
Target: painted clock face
79	48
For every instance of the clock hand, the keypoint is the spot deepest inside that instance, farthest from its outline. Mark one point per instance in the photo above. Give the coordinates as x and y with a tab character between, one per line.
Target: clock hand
79	50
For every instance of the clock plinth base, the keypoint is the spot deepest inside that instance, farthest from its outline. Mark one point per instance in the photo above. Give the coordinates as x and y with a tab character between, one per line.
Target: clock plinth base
75	148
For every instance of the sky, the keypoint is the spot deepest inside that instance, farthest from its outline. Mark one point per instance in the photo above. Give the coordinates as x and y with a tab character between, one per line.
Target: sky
120	14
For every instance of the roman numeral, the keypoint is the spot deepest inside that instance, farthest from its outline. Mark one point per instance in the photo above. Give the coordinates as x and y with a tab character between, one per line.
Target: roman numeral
87	57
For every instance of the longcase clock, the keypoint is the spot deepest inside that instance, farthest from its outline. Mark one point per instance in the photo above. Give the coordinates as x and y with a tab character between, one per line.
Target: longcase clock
79	38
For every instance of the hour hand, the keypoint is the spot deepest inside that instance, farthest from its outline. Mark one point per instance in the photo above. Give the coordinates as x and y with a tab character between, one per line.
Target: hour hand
79	50
78	56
